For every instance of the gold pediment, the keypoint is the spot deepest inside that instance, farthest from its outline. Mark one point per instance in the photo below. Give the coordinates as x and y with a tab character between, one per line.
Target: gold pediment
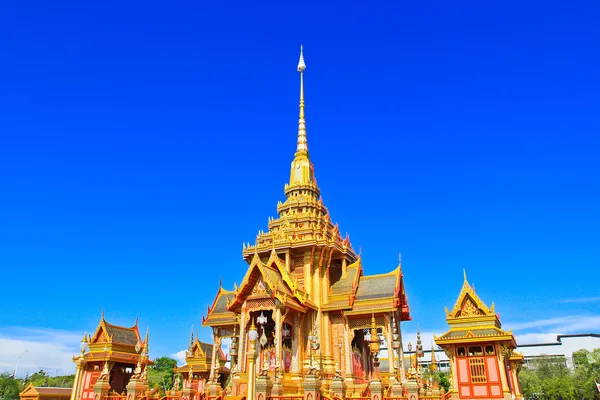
468	304
469	309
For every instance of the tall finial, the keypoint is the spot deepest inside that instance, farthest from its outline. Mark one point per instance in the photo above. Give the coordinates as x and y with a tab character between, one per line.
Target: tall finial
465	274
145	348
302	146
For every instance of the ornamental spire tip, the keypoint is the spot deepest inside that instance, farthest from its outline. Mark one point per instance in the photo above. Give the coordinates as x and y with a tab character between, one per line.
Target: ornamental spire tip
301	64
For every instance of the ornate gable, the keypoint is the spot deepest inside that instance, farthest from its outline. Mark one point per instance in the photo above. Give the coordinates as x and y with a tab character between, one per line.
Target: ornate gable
471	321
469	308
469	304
114	334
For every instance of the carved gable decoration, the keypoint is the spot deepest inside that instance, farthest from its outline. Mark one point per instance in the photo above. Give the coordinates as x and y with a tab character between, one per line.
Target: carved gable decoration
469	308
469	304
261	287
101	336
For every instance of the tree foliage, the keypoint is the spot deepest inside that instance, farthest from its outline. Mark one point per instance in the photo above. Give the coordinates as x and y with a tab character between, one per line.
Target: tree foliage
444	382
161	373
9	387
41	378
549	378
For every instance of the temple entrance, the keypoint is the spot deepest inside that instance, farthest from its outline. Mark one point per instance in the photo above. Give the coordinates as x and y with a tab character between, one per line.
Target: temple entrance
120	374
267	346
361	359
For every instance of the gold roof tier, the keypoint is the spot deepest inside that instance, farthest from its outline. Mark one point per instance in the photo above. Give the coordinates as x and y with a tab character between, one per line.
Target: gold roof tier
471	320
218	314
371	293
116	343
199	357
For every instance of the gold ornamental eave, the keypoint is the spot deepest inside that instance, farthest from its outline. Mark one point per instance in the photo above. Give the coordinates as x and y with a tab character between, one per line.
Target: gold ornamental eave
248	253
112	356
378	311
223	320
475	339
491	320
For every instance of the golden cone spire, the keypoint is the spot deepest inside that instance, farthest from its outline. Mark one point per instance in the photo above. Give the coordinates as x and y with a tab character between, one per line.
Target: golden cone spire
302	173
302	146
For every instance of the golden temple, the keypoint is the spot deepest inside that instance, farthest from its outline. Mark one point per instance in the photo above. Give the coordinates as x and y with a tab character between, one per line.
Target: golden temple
306	322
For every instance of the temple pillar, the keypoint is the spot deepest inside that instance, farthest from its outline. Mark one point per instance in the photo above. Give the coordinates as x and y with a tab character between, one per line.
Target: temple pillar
189	392
337	387
347	350
78	378
502	356
241	362
295	348
307	274
391	351
214	356
101	387
401	354
412	387
395	366
328	362
288	267
263	387
348	375
278	346
136	388
312	388
376	388
514	371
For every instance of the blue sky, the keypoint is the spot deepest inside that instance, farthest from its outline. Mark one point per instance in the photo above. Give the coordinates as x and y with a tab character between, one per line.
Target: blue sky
142	143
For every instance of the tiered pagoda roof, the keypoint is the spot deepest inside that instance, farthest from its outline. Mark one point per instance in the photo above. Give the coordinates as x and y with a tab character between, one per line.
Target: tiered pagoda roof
471	319
114	342
199	357
304	225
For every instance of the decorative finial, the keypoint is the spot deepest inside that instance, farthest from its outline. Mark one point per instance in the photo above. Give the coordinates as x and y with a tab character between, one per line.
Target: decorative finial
301	65
145	348
302	145
465	274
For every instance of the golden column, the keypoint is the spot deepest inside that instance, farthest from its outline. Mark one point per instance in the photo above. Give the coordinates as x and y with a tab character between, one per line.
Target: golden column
80	363
252	336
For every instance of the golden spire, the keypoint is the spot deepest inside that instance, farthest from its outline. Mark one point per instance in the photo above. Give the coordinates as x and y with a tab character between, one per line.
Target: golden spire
302	146
145	348
302	172
433	359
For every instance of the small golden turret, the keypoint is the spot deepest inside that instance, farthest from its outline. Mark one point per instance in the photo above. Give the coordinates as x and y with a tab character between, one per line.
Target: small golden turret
434	365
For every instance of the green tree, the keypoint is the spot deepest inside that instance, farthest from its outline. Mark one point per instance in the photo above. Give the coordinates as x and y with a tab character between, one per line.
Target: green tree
548	378
161	373
587	370
444	381
41	378
38	378
9	387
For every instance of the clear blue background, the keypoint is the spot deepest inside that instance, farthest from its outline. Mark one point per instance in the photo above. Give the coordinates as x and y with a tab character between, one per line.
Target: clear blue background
143	142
